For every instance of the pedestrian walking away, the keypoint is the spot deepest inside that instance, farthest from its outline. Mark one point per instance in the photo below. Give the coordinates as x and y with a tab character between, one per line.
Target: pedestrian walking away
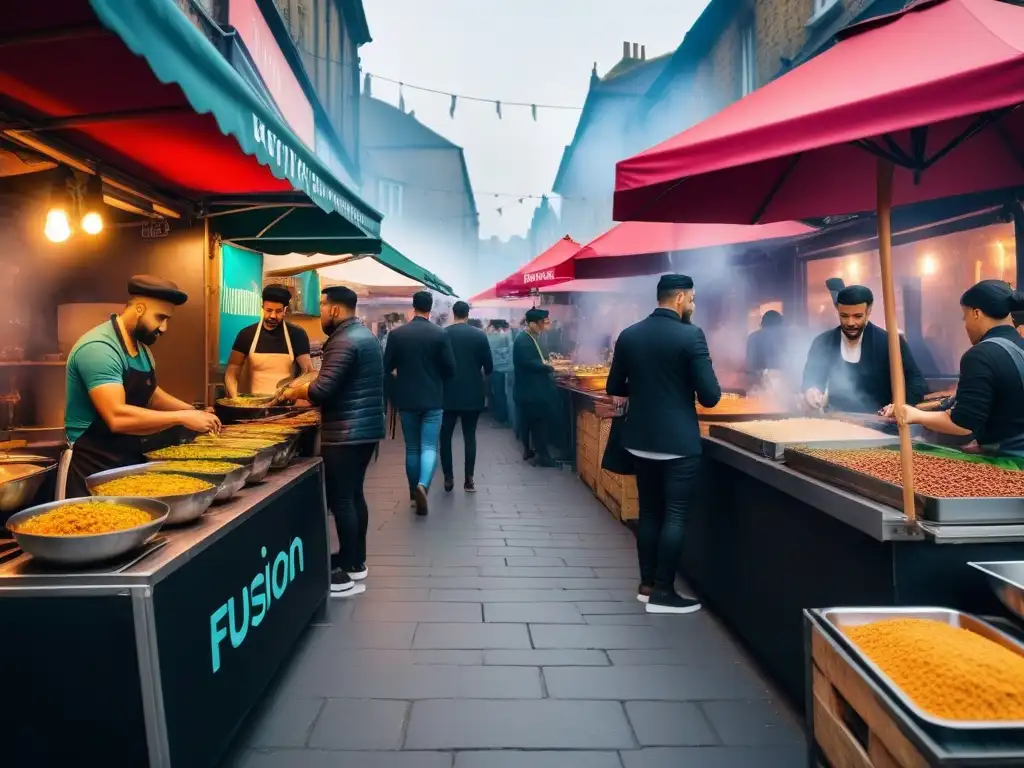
419	359
534	388
349	390
660	368
464	393
500	341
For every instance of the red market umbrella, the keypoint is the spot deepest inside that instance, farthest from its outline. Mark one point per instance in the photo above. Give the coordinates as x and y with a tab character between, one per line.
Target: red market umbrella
913	106
553	266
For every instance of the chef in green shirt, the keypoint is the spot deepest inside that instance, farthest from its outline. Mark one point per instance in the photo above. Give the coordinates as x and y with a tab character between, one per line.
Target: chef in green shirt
112	396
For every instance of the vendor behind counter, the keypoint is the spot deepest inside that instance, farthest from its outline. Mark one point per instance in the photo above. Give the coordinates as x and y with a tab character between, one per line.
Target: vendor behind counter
112	395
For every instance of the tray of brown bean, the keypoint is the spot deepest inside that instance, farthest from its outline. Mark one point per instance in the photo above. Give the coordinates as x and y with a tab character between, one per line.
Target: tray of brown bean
771	437
947	490
949	669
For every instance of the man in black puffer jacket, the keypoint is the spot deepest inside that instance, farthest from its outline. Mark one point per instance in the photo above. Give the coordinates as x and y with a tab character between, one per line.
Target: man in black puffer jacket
350	392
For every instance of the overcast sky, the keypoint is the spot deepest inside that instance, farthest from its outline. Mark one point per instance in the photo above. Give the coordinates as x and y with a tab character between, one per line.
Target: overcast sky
534	51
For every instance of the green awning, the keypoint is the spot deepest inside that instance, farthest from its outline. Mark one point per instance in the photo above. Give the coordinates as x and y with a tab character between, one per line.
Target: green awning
179	54
392	258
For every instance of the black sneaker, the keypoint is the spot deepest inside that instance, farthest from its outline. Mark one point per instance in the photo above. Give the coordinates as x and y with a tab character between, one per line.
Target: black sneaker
670	602
449	484
527	455
420	498
357	573
469	486
341	584
412	498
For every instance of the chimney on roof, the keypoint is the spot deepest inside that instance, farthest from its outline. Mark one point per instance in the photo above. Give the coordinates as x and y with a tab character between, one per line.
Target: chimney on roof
625	49
643	53
636	50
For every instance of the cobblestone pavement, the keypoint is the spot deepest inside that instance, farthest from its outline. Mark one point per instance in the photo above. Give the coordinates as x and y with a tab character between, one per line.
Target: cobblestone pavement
503	631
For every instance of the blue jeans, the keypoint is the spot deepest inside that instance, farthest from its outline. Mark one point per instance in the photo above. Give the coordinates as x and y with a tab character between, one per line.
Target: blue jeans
420	430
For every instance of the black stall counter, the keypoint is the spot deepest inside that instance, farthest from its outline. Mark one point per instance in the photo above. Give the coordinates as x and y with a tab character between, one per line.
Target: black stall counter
157	660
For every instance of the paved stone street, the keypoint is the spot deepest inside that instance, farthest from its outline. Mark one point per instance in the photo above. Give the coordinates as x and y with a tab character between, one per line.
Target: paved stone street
503	632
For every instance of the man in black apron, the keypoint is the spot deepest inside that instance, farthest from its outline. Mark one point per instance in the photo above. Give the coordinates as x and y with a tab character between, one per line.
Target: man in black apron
112	396
989	400
851	362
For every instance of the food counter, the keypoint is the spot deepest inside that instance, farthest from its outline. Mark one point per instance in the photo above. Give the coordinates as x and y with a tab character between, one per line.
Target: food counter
156	659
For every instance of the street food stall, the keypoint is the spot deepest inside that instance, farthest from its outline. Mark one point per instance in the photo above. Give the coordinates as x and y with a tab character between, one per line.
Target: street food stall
160	606
866	539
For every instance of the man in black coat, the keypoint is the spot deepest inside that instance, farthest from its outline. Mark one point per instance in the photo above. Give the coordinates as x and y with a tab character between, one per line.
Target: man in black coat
533	387
464	396
851	361
419	357
662	366
350	392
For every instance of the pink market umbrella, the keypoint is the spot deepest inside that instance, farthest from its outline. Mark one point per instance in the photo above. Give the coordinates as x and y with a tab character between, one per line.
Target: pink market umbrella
553	266
913	106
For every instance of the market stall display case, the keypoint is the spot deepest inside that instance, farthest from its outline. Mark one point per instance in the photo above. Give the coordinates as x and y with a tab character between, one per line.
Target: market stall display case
156	659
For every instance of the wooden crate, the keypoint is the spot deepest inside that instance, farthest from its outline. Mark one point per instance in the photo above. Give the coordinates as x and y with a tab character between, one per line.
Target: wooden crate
630	498
851	727
588	424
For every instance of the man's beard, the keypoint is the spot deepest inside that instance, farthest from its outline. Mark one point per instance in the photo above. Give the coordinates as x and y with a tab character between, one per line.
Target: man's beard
686	317
853	333
271	325
145	336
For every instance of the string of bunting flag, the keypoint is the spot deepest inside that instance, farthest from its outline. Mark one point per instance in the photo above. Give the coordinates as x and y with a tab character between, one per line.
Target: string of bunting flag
454	98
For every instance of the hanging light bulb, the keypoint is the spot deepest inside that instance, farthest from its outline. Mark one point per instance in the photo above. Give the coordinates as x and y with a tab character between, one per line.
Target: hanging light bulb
92	202
58	228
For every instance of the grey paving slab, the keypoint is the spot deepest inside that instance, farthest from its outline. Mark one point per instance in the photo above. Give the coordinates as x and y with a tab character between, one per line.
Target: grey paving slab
603	638
471	636
360	724
753	723
534	562
605	607
541	724
558	572
369	657
536	613
508	758
418	611
669	724
667	683
419	681
308	758
285	722
716	757
534	658
520	595
378	594
388	635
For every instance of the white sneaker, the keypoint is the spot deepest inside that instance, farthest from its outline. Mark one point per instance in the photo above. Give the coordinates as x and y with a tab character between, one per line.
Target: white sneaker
359	575
355	589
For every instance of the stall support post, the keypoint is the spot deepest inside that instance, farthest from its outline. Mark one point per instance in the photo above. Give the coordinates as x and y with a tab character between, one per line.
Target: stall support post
885	172
1018	236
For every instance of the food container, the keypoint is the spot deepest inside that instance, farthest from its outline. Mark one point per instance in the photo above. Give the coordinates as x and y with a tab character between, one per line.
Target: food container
90	548
976	510
182	508
228	483
259	462
1007	581
775	450
838	618
19	490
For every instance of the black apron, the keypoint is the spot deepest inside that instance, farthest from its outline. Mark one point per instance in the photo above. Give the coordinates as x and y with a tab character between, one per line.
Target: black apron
1011	446
98	448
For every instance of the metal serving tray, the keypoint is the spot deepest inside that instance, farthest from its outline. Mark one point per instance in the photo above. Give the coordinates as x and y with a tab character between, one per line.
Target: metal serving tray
982	510
837	618
776	450
1007	581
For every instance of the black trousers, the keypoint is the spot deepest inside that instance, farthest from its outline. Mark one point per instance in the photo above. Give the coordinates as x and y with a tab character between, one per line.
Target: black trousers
469	421
344	474
498	399
665	489
533	424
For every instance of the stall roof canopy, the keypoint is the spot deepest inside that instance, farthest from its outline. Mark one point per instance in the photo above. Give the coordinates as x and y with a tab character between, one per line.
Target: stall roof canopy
389	268
551	267
935	89
634	238
138	89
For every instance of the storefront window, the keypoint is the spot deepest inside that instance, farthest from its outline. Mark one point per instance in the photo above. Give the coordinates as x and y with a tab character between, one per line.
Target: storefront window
929	275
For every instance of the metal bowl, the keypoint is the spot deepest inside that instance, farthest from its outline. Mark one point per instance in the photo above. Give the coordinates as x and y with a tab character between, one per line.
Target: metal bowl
1007	581
261	465
184	507
91	548
285	453
228	483
19	491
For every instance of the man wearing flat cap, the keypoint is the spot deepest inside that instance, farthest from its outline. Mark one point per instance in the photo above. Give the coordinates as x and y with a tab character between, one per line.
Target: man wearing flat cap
533	388
847	368
660	370
268	352
112	396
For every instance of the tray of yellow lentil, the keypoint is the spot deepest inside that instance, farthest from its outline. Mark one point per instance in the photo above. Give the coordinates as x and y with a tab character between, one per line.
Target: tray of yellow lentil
79	532
259	461
949	669
229	476
187	497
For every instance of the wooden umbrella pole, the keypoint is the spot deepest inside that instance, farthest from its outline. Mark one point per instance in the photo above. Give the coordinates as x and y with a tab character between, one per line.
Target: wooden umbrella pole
899	389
